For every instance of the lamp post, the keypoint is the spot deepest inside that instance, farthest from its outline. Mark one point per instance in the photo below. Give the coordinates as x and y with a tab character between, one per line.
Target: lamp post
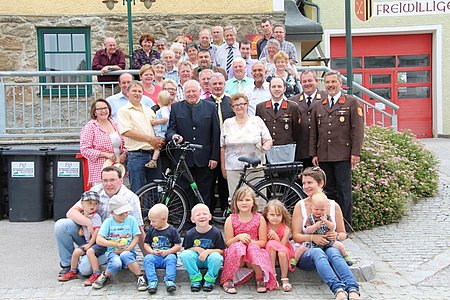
348	45
110	5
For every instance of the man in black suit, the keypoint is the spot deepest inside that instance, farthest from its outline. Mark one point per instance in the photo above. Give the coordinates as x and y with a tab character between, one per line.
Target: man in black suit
224	111
196	121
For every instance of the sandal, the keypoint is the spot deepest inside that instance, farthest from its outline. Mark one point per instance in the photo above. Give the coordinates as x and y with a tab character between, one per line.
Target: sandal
353	295
340	295
261	286
229	288
286	286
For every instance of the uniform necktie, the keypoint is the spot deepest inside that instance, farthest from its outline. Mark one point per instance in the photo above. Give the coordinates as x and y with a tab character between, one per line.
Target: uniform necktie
229	58
309	101
331	102
275	107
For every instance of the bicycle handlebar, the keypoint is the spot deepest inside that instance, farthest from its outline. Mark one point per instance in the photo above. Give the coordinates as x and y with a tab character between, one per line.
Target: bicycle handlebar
186	146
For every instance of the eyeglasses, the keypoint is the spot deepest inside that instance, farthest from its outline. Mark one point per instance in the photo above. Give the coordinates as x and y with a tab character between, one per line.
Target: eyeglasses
102	108
170	89
238	105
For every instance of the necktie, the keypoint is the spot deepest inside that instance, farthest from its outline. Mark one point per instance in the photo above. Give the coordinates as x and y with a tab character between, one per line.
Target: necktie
207	94
229	58
275	107
331	102
309	101
219	110
239	86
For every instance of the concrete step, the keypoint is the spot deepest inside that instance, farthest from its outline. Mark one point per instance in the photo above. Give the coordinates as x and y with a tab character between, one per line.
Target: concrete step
363	269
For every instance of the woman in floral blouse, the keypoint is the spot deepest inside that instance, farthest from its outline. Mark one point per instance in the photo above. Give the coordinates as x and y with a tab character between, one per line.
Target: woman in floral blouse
145	55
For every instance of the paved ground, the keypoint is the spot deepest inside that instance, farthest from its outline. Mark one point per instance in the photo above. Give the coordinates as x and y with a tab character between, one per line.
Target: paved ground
411	259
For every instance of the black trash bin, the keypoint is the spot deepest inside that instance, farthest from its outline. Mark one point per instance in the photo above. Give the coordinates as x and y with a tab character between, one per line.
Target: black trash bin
26	184
3	185
67	179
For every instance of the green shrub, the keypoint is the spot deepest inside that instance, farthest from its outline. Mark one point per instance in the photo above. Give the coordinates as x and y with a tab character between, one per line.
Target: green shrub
394	168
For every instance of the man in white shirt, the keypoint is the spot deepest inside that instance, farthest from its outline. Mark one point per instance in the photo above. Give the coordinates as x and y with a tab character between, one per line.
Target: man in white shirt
259	91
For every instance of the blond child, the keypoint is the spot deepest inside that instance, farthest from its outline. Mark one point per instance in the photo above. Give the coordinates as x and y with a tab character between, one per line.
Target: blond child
203	248
162	243
160	123
319	222
120	233
246	236
278	245
89	201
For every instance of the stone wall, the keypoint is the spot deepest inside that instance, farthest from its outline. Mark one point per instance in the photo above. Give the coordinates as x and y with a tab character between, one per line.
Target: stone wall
18	35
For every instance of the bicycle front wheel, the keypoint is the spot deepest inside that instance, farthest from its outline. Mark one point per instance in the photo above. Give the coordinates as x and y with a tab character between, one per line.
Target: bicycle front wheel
283	190
174	199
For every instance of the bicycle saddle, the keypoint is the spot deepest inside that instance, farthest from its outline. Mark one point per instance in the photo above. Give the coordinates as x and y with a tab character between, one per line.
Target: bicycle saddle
254	161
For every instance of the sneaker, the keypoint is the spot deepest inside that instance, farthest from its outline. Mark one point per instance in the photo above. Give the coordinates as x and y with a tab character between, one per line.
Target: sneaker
170	286
152	287
195	286
141	283
348	260
293	262
101	281
151	164
68	276
91	279
208	286
63	271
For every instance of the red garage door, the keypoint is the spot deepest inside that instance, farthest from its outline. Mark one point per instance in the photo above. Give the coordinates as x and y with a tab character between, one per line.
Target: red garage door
397	67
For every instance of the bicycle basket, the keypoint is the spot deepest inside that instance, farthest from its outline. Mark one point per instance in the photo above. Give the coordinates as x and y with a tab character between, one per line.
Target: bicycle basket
281	154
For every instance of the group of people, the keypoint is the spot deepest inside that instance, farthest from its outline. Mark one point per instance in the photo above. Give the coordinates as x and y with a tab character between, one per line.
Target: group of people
233	106
106	226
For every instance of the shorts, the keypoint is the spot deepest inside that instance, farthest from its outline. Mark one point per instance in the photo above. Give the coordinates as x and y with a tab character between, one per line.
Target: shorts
98	250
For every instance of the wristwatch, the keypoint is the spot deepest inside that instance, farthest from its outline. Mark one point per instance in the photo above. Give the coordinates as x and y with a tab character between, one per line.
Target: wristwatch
337	237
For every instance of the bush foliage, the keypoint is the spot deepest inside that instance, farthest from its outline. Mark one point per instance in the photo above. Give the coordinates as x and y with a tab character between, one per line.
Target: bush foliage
394	168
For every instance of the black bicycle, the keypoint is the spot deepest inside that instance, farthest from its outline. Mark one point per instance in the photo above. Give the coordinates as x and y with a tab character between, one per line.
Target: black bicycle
167	191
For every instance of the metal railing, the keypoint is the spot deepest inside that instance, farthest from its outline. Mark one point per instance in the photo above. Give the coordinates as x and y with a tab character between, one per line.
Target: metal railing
379	111
31	108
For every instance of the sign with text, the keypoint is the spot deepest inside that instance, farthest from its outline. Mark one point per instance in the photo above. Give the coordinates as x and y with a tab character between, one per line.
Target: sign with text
411	8
68	169
22	169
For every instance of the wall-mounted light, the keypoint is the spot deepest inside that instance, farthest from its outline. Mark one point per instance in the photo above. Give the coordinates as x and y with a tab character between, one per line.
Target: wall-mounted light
148	3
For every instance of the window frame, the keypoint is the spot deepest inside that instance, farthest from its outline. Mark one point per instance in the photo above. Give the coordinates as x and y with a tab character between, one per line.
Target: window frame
81	90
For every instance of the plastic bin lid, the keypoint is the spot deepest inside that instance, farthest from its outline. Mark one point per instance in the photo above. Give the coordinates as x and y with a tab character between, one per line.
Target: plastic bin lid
64	150
25	150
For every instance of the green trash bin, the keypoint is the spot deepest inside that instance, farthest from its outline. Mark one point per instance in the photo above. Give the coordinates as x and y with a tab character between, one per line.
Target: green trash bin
67	179
26	184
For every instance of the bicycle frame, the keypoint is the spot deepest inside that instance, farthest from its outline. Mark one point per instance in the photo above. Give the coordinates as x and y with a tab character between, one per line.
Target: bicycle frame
183	169
243	180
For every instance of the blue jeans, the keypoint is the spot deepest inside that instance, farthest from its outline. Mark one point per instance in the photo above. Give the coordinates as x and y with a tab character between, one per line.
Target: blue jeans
117	262
331	267
66	234
153	262
138	174
213	263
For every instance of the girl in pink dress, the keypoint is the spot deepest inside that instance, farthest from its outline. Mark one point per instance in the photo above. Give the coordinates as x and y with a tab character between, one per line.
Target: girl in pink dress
278	223
245	237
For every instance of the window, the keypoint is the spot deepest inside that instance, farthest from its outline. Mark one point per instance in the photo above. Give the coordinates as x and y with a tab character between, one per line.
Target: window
371	62
341	63
65	49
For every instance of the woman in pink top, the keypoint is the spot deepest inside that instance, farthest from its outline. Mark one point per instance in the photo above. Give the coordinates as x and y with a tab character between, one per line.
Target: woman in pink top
147	75
100	140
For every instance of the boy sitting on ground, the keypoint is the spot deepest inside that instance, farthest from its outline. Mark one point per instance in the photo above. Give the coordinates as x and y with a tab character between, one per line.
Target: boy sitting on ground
89	201
204	245
120	233
162	242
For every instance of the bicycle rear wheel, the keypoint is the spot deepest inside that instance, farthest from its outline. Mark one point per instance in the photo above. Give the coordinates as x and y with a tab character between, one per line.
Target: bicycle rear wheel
283	190
174	199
